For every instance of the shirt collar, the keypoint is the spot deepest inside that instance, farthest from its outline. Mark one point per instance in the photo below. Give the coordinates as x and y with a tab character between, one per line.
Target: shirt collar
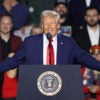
89	29
46	40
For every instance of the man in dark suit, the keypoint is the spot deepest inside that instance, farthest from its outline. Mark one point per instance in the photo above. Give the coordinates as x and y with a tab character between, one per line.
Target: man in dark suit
90	34
77	9
61	49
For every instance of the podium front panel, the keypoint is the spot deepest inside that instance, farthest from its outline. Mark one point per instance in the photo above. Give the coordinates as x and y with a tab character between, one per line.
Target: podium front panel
60	82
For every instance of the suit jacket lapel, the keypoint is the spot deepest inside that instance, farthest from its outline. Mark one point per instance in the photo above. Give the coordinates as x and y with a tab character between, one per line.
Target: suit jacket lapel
87	39
99	40
59	50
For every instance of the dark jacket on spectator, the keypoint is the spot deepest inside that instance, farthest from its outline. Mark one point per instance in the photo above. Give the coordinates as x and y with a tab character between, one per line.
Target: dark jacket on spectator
82	39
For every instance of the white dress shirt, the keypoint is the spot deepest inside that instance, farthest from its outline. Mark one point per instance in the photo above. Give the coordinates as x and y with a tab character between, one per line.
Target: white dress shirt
45	46
88	2
94	36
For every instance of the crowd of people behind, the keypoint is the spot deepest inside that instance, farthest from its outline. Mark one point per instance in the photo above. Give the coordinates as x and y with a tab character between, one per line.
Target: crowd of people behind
78	18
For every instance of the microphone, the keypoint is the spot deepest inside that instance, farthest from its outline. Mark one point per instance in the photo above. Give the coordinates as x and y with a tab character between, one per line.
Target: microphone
49	36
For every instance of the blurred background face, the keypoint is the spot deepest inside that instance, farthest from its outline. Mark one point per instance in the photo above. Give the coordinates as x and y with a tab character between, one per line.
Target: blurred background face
50	25
92	17
36	30
5	25
61	9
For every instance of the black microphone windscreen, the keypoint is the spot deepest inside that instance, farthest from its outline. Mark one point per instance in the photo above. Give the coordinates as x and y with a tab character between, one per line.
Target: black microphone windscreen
49	36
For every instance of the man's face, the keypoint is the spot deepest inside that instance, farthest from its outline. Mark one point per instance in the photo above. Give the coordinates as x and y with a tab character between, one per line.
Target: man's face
61	9
5	25
50	25
92	17
37	30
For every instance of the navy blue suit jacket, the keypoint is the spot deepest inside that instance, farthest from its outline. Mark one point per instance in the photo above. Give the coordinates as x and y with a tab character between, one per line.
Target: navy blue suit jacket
31	52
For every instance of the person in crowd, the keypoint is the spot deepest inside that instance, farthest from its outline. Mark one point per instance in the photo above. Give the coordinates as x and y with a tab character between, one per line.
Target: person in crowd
36	30
91	78
24	31
18	11
62	8
95	88
9	44
90	34
77	9
49	48
88	79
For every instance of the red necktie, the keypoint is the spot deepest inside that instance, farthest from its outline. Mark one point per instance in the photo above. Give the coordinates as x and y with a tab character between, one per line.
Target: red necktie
50	53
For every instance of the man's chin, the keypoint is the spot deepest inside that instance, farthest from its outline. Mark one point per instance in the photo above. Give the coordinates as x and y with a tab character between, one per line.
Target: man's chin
92	25
52	34
5	33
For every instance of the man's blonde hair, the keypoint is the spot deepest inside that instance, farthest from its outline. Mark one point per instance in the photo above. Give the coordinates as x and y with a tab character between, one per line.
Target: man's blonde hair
51	14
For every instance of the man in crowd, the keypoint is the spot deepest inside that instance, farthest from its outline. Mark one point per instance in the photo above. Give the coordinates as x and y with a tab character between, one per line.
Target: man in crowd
49	48
77	10
9	44
91	78
61	8
95	88
90	34
18	11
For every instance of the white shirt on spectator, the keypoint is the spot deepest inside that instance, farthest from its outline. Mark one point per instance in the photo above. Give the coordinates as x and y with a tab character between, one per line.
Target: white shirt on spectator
26	34
88	2
94	36
45	45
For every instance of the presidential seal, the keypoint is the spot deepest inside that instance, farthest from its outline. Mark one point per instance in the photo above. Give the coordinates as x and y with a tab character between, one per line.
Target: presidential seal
49	83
